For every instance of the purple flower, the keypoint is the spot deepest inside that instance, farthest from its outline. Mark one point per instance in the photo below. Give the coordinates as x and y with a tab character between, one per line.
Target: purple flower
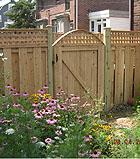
46	111
90	136
8	86
82	154
36	104
58	132
56	115
45	87
11	91
87	139
41	91
61	107
95	154
3	103
5	144
0	128
38	115
51	121
25	94
45	101
16	94
16	105
34	139
52	103
3	95
48	140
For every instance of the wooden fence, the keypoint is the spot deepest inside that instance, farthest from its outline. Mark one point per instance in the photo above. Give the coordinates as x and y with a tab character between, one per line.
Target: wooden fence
108	65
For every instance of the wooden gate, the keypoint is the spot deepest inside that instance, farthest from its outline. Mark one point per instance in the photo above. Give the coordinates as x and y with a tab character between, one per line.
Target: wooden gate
79	63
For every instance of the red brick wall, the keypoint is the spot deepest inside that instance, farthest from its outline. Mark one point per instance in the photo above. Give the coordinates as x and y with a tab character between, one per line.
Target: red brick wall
86	6
135	15
55	9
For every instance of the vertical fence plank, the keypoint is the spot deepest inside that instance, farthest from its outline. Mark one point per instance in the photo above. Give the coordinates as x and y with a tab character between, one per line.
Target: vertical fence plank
8	66
23	69
137	72
37	69
101	78
112	76
129	61
50	60
107	41
119	75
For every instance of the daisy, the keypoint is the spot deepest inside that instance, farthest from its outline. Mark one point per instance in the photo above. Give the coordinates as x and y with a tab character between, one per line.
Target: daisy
16	105
51	121
95	154
58	132
61	107
41	91
48	140
38	115
25	94
45	87
8	86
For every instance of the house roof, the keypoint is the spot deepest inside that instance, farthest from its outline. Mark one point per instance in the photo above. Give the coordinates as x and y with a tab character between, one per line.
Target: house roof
4	2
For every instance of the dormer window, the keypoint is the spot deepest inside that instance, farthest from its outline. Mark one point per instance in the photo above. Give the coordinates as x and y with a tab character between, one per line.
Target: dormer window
67	4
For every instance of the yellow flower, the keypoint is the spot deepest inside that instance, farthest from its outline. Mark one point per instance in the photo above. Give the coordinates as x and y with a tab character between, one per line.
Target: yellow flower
119	131
109	137
91	143
97	131
93	130
94	124
113	130
123	135
86	129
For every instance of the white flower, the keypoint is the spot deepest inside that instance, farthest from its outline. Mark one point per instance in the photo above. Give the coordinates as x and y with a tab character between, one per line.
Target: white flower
9	131
64	129
1	54
40	144
57	138
4	59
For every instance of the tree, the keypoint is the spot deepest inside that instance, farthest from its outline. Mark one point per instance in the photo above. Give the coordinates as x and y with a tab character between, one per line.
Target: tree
22	14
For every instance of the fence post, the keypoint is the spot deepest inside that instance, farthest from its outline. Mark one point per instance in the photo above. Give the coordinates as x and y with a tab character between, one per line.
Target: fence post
50	59
107	42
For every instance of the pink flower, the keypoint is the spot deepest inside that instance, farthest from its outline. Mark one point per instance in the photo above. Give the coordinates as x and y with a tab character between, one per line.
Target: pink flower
58	132
79	116
8	86
95	154
38	115
4	103
16	94
45	87
48	140
46	111
11	91
61	107
73	104
36	104
35	111
52	103
51	121
87	139
34	139
82	154
90	136
45	101
75	97
16	105
56	115
41	91
25	94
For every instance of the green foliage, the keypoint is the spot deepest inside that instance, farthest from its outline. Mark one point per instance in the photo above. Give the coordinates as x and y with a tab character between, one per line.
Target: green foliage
22	14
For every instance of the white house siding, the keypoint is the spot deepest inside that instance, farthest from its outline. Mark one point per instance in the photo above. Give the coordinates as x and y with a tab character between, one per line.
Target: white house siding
119	23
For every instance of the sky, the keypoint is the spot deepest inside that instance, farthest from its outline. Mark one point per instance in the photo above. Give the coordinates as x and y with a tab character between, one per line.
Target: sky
4	2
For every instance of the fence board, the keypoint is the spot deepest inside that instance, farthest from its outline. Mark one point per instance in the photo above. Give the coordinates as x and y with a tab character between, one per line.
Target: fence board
129	56
137	72
119	76
8	66
37	69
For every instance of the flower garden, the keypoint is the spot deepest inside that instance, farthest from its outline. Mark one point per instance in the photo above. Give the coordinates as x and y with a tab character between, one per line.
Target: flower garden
41	126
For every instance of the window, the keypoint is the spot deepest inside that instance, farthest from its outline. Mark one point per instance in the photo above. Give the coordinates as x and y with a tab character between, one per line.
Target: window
42	4
60	26
97	25
54	25
57	1
92	26
0	18
67	4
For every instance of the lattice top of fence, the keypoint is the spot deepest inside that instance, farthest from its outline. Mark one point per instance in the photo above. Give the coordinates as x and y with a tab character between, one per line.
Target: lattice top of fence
78	37
125	37
23	37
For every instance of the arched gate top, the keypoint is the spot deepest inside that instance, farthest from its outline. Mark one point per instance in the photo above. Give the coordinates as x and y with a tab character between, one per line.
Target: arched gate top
77	37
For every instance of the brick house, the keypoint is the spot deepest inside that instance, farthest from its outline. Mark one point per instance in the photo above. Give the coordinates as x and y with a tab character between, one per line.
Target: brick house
135	12
65	15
